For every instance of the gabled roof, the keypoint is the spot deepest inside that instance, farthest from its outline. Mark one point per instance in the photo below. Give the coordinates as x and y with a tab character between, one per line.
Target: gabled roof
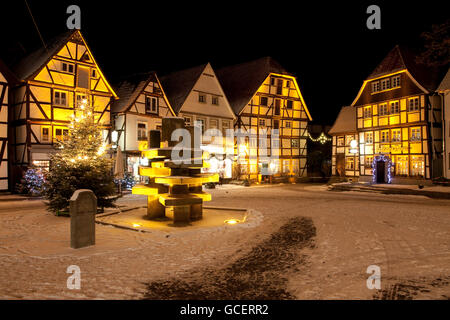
240	82
27	67
400	58
30	65
129	89
345	121
445	83
177	85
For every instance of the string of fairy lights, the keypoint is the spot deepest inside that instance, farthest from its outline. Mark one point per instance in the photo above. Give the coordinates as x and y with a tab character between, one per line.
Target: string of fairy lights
322	138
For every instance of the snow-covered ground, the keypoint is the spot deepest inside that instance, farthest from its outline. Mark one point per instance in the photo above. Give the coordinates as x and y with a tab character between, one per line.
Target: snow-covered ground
407	236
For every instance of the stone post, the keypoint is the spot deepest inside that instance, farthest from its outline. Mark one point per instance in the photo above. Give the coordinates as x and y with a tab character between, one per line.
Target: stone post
83	207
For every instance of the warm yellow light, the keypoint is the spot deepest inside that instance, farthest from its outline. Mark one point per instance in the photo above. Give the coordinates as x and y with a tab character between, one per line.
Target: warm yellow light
231	221
136	225
72	160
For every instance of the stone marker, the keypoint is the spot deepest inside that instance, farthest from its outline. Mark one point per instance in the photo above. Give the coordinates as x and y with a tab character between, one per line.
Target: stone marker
83	207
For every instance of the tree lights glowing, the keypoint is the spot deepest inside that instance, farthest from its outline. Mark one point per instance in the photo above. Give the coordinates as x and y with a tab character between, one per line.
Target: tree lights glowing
80	162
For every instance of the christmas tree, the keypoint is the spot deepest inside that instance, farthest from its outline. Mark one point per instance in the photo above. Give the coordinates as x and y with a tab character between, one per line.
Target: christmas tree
81	163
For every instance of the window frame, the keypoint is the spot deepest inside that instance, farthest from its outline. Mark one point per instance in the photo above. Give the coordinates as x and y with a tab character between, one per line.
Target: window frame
202	95
416	107
213	99
58	101
140	137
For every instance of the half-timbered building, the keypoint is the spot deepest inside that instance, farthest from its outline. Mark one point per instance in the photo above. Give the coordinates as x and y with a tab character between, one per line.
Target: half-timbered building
264	97
140	108
197	96
398	135
444	90
345	157
52	81
6	78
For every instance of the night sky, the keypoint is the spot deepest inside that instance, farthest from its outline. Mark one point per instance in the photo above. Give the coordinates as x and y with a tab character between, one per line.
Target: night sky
326	45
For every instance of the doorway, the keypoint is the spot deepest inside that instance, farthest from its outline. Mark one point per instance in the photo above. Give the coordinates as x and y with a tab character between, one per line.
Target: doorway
381	171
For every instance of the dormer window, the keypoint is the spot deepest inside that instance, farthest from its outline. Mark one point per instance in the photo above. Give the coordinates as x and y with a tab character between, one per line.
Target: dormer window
202	97
395	82
215	100
385	84
375	86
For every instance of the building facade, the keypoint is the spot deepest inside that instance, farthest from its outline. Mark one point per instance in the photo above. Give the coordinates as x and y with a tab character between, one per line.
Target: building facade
52	81
265	98
140	108
444	91
5	81
197	96
398	135
345	158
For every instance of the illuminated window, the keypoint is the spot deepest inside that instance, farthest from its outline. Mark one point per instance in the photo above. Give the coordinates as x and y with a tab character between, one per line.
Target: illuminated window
340	141
263	101
215	100
367	112
375	86
60	98
42	164
368	137
142	131
395	108
383	109
402	166
201	97
384	136
395	81
385	84
81	98
348	139
396	135
368	162
151	104
45	134
61	133
349	163
417	166
415	134
295	143
286	166
414	104
288	124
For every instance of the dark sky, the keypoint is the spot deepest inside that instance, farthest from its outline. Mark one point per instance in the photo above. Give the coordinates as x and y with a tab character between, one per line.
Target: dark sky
325	44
